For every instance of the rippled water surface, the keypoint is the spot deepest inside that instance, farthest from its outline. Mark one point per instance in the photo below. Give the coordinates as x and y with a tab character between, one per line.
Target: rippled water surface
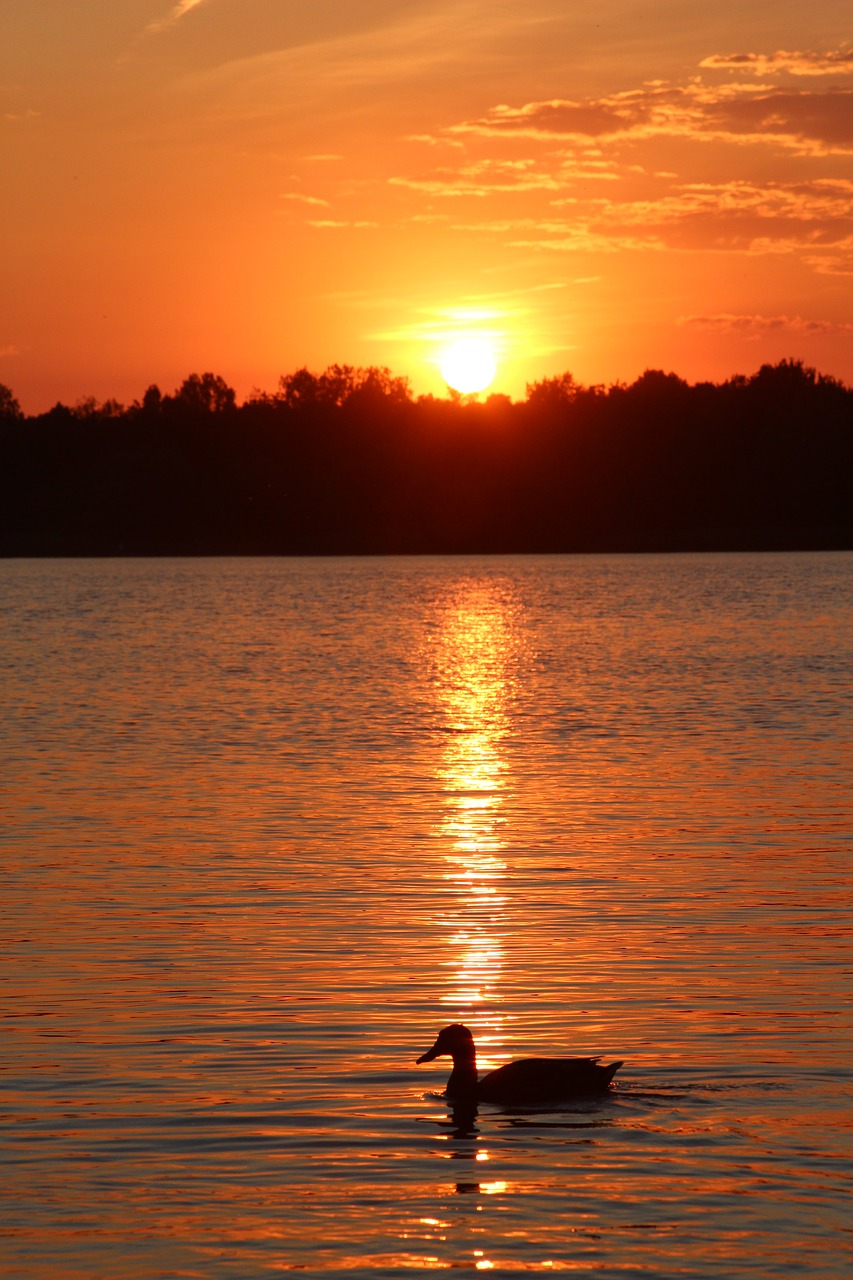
267	825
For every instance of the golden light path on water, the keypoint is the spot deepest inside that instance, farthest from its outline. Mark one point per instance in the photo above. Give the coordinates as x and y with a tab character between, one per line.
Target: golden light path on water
472	663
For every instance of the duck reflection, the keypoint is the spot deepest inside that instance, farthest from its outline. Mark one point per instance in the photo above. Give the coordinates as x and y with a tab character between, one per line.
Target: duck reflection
463	1120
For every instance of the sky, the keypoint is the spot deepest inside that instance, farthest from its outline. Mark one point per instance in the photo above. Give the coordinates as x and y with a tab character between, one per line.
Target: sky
250	186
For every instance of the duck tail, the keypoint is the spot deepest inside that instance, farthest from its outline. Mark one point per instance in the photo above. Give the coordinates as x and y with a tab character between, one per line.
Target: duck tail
611	1069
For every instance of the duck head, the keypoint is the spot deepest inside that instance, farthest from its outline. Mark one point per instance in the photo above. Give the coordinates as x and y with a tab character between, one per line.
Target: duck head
455	1041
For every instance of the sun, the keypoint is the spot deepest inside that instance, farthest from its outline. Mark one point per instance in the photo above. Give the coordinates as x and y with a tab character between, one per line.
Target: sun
468	365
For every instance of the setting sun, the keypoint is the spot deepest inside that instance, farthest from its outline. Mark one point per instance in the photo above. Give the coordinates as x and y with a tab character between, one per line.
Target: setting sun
556	207
468	365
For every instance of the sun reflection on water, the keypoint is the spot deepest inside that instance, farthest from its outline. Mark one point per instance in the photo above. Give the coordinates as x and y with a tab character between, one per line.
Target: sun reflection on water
474	662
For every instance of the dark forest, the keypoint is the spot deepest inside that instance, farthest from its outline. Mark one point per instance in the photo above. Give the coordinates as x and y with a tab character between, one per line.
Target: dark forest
348	462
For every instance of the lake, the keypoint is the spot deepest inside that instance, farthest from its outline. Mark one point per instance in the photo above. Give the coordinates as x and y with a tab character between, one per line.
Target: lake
269	824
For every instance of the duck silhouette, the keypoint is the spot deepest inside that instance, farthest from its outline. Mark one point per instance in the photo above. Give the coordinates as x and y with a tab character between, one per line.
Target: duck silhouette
527	1082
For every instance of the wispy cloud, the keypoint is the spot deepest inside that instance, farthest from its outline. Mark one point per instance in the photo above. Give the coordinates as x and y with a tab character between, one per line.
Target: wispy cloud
800	120
813	220
557	118
177	12
379	48
835	63
483	178
493	319
816	121
758	326
299	198
654	168
334	224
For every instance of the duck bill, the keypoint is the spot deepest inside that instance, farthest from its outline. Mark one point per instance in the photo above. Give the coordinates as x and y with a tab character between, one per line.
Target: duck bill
429	1055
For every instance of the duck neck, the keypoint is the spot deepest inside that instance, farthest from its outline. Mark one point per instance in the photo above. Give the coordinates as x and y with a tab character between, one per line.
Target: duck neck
463	1077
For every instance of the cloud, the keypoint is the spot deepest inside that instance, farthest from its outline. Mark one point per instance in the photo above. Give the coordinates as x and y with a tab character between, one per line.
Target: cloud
492	176
556	118
586	239
431	140
495	317
10	350
12	108
374	47
743	113
839	262
177	12
334	224
661	166
810	219
302	199
758	326
484	178
825	119
834	63
822	209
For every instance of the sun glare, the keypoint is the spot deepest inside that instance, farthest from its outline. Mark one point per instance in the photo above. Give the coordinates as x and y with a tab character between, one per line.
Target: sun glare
468	365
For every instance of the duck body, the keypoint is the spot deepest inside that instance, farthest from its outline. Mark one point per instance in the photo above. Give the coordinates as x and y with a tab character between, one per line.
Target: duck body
528	1082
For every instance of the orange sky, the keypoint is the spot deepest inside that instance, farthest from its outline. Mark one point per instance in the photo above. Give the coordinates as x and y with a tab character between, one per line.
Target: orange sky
248	186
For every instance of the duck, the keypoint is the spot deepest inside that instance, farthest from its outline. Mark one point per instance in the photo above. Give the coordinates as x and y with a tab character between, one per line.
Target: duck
529	1081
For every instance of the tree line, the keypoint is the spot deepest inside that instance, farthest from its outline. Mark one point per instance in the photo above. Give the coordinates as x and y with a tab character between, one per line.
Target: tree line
348	461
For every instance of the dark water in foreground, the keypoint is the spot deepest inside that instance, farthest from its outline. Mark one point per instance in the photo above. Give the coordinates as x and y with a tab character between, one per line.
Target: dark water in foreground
268	824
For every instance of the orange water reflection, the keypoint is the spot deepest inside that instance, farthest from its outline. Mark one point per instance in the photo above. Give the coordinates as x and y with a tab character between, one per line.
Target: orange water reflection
474	655
215	897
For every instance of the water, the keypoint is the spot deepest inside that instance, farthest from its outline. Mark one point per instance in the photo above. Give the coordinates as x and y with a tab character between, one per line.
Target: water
267	825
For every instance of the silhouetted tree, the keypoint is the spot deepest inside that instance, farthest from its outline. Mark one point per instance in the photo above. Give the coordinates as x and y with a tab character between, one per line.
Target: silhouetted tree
549	394
300	388
85	409
152	401
205	393
10	410
259	398
655	384
340	384
374	386
347	461
89	409
785	378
